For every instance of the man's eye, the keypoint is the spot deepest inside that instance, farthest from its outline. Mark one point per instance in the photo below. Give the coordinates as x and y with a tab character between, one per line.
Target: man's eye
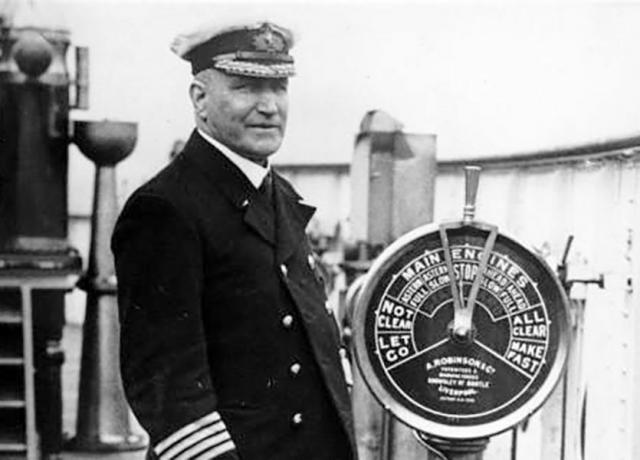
281	86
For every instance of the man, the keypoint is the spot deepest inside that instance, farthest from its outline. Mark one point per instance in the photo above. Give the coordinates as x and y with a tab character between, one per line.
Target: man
227	348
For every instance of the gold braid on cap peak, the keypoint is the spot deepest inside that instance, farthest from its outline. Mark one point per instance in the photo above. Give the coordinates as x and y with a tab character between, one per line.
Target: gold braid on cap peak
229	64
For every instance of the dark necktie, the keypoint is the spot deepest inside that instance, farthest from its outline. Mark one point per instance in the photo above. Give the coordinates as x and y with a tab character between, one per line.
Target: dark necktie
266	188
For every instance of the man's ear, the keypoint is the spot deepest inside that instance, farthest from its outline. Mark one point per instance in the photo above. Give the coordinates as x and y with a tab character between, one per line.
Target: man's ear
198	95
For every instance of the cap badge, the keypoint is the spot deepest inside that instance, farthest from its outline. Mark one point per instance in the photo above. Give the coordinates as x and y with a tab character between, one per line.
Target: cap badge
268	40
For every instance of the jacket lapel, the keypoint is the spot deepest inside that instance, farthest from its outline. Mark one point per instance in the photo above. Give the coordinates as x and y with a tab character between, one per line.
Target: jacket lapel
292	217
259	216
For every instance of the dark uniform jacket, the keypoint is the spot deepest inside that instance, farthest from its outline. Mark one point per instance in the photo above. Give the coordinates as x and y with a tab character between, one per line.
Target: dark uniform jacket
227	348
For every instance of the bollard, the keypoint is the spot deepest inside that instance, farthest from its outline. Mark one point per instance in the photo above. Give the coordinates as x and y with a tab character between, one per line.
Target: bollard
103	422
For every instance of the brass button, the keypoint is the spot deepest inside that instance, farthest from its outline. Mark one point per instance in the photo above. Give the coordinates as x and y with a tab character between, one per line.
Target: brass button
284	270
296	420
295	369
287	321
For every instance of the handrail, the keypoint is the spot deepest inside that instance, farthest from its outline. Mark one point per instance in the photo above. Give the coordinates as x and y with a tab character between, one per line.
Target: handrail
626	148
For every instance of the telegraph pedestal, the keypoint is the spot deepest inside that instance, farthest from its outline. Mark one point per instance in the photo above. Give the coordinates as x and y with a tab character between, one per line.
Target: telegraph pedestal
466	449
460	331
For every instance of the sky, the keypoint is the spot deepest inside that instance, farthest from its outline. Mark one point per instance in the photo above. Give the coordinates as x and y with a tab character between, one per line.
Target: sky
485	78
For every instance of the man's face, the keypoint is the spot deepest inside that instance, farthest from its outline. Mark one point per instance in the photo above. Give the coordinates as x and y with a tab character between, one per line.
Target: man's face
247	114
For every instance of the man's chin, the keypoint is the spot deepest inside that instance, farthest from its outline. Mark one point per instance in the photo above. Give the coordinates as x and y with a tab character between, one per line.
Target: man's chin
260	152
264	148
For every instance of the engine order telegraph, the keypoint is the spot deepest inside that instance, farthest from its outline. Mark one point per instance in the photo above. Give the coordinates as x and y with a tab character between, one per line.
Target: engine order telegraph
459	330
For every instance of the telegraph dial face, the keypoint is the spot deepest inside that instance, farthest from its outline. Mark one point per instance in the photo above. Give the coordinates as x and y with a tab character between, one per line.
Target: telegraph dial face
447	366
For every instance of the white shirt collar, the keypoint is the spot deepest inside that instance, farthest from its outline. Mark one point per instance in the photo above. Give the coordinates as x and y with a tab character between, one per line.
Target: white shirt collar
254	172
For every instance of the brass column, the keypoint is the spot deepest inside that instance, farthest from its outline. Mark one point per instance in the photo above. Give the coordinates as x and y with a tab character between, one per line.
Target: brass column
103	422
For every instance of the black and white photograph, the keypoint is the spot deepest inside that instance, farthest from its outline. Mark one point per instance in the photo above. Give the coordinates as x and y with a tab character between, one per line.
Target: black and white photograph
319	230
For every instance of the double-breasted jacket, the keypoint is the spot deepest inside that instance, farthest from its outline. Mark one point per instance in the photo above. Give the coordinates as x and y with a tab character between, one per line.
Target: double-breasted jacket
227	347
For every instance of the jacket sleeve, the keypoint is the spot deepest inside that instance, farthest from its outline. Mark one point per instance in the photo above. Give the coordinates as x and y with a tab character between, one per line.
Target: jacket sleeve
163	352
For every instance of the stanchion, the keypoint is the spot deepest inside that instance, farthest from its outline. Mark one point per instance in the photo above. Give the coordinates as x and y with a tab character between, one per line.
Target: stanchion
103	422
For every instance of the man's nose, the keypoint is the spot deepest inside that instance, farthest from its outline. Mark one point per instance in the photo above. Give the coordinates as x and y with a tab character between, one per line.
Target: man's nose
267	103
